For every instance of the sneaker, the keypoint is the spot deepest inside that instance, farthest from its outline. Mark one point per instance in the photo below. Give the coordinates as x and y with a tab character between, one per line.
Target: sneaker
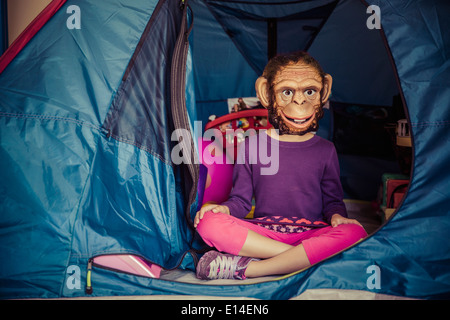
216	265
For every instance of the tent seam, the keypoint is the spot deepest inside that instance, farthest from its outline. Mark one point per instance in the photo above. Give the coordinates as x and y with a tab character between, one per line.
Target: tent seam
81	123
44	117
438	123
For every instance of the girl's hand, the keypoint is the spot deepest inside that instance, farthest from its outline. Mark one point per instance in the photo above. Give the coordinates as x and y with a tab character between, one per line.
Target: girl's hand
209	207
337	219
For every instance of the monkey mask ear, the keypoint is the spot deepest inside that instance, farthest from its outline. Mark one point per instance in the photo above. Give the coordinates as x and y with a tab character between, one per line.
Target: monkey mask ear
326	90
262	91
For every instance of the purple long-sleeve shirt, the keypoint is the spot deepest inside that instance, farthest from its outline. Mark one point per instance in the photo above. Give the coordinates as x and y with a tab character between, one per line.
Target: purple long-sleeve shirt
306	184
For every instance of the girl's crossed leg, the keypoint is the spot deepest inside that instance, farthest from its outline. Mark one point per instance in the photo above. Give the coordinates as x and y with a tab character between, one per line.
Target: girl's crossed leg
279	253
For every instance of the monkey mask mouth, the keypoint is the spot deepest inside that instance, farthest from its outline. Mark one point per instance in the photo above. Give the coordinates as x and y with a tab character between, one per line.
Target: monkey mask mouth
287	124
300	123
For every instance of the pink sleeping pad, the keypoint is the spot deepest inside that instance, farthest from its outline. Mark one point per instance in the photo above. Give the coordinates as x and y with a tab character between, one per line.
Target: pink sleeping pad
130	264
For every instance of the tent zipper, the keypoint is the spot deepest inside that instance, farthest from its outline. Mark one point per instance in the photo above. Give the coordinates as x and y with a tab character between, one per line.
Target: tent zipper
88	288
179	111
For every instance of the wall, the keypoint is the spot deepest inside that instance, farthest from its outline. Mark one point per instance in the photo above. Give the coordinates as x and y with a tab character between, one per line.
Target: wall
21	13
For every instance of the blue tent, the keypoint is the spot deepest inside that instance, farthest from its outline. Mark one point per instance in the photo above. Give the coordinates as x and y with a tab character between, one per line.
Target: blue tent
86	121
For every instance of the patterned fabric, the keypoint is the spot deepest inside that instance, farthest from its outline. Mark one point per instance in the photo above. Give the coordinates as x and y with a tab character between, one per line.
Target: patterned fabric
287	225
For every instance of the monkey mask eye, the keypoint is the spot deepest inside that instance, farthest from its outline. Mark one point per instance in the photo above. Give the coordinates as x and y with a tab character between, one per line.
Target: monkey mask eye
310	93
287	95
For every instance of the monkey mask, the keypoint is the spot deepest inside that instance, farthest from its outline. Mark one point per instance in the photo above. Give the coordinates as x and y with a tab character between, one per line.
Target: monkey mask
295	97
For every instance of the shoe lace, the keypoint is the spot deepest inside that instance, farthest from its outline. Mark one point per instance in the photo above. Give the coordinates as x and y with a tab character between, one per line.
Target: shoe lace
223	267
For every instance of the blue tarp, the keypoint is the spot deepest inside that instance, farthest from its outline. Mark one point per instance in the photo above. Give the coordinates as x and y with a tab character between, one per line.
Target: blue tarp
85	124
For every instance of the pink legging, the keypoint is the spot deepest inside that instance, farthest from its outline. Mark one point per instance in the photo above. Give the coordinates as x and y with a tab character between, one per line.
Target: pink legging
228	234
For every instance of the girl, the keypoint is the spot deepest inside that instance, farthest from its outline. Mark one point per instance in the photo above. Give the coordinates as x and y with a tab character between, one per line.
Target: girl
306	186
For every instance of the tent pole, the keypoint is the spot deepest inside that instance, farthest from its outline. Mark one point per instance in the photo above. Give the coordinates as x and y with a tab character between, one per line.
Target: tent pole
271	38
